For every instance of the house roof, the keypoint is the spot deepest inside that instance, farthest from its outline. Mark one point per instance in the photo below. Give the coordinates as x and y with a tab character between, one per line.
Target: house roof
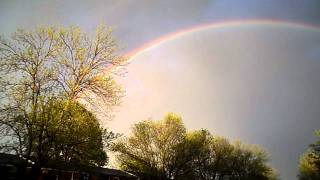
114	172
58	165
10	159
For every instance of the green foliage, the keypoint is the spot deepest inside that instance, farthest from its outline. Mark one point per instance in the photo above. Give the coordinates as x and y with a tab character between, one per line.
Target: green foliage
165	150
249	162
152	146
310	161
76	135
64	131
57	61
43	72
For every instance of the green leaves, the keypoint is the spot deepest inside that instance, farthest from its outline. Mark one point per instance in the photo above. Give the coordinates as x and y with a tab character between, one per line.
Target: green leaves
43	72
309	164
72	134
165	150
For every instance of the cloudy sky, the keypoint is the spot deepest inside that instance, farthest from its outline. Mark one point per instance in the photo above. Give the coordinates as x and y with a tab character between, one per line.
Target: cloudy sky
246	70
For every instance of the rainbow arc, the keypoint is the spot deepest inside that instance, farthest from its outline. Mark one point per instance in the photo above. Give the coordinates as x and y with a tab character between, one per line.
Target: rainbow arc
216	25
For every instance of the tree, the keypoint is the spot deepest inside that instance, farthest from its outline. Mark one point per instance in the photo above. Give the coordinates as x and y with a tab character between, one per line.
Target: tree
213	157
65	132
250	162
51	63
193	157
151	148
165	150
73	135
309	164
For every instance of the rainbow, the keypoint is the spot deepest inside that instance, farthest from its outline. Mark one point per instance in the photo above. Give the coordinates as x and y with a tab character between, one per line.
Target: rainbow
202	27
216	25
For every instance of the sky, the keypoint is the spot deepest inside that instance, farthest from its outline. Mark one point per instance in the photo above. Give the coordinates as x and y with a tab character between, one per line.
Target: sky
245	70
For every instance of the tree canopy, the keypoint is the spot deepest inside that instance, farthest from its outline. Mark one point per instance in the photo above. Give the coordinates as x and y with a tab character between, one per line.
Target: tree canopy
166	150
74	135
44	74
309	164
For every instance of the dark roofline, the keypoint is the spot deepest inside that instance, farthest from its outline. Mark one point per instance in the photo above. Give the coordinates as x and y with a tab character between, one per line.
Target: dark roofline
12	159
114	172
